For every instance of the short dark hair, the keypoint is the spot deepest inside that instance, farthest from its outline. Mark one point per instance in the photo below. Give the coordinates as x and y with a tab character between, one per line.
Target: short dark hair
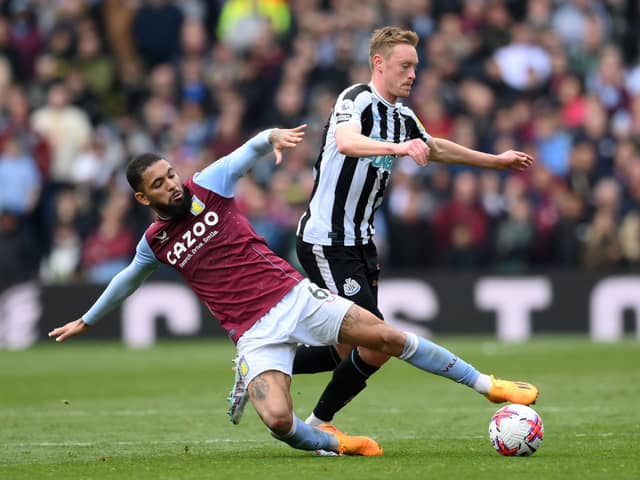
137	166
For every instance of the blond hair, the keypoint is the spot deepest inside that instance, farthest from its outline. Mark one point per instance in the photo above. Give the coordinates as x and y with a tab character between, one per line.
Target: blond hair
384	39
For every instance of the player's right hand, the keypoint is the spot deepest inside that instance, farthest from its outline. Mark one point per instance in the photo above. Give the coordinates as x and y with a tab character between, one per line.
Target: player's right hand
285	138
71	329
416	149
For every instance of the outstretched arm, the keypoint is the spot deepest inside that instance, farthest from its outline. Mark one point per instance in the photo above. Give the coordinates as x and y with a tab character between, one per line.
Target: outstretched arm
222	175
120	287
446	151
352	143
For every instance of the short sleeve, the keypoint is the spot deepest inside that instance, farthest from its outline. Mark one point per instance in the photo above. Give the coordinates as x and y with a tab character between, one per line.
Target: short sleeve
351	103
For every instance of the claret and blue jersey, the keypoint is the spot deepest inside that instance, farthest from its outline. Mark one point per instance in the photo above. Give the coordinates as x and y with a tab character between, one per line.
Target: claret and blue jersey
215	249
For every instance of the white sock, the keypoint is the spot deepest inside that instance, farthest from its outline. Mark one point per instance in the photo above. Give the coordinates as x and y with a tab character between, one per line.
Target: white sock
313	420
483	383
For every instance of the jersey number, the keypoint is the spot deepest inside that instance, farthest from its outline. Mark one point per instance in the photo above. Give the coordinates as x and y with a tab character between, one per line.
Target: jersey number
319	293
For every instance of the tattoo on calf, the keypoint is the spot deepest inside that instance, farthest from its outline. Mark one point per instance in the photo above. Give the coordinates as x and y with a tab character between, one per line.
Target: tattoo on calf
259	388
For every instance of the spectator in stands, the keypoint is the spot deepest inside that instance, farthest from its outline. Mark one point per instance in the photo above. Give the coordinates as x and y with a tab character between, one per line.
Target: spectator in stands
595	130
581	175
20	180
461	225
631	185
9	54
602	243
552	142
516	237
572	100
96	67
522	64
15	124
17	263
65	127
630	239
98	161
602	249
607	81
568	232
62	263
242	22
410	236
570	21
108	248
151	133
156	31
26	37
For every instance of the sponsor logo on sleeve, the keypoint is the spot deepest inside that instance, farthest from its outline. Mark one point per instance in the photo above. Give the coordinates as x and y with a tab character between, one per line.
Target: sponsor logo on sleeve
345	110
346	106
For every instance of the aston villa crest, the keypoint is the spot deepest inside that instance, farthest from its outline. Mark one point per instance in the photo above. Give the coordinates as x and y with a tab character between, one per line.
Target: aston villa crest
197	206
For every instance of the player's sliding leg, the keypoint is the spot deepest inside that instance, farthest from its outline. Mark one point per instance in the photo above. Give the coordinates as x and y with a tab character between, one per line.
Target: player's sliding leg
426	355
270	395
361	327
327	438
309	359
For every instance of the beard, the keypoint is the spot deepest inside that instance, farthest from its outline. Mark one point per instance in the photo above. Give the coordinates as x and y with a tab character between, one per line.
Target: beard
175	210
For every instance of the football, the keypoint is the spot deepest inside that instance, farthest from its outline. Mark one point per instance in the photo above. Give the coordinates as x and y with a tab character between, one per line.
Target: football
516	430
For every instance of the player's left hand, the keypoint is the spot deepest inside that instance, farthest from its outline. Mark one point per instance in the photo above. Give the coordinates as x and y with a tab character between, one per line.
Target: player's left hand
70	329
514	160
285	138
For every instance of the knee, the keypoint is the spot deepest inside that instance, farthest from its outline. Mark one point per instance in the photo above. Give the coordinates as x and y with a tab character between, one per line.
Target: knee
391	341
373	358
279	421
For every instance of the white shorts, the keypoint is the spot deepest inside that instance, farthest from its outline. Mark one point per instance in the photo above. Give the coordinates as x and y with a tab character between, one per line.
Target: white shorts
308	314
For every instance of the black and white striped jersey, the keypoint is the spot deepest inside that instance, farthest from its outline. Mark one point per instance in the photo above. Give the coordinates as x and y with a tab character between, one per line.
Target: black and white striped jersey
348	190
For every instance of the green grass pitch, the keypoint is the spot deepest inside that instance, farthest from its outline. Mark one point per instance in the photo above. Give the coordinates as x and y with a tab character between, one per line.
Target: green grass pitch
92	410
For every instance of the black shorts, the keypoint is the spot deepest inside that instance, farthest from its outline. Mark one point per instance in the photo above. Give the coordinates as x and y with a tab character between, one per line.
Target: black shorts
351	272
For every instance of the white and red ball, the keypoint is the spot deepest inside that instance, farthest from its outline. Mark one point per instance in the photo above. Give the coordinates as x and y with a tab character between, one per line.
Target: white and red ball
516	430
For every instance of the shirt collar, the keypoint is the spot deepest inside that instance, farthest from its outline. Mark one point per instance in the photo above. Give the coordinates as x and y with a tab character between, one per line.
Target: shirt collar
398	104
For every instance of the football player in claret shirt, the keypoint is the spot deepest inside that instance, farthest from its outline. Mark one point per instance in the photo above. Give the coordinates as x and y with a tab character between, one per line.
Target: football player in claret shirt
263	303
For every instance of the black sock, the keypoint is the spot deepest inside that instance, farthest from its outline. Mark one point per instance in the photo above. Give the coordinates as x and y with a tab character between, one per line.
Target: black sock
349	379
315	359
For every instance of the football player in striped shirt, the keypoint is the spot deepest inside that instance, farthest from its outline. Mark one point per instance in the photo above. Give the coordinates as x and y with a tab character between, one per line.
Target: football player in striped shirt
367	130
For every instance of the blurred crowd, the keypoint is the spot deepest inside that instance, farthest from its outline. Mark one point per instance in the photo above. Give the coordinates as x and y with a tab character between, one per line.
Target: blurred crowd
86	84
